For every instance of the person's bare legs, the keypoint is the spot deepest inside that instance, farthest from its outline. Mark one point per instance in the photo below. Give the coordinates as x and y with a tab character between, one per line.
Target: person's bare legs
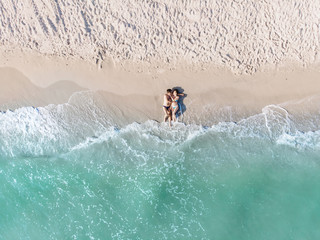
174	114
170	116
166	115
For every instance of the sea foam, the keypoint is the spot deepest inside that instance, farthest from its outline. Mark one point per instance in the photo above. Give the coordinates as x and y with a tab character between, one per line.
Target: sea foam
82	122
70	172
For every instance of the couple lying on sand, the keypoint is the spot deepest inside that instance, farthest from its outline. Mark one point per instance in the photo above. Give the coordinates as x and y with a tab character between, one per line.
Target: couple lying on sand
170	105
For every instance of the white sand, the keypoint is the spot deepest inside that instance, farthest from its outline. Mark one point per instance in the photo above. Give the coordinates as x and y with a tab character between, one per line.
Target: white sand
213	95
232	58
240	35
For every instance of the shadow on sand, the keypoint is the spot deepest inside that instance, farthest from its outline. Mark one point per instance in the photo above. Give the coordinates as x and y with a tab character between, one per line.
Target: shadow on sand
182	106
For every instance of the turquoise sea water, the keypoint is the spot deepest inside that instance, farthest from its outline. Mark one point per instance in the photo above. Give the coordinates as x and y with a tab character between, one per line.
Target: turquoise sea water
68	172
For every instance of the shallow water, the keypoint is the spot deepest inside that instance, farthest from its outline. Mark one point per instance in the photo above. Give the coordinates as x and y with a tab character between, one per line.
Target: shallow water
68	172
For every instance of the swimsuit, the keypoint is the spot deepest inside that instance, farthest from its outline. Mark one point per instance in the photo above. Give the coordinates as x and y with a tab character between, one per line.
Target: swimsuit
166	107
174	107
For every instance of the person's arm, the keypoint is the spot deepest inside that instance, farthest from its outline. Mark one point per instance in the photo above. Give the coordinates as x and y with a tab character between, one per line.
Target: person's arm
181	94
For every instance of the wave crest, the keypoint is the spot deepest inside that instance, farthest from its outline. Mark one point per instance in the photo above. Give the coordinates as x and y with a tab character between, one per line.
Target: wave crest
86	121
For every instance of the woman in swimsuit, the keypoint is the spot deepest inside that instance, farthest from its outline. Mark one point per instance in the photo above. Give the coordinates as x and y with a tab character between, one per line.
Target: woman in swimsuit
174	104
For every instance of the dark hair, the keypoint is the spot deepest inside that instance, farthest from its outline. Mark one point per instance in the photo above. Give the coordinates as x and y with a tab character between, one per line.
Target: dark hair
175	90
169	90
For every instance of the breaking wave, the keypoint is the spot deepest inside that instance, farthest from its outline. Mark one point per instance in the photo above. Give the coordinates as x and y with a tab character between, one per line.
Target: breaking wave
84	121
70	171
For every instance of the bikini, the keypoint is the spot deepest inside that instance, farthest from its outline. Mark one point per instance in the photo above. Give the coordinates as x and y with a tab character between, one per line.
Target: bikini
174	107
167	107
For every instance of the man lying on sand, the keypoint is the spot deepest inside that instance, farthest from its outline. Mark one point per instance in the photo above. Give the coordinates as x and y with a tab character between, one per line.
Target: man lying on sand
167	106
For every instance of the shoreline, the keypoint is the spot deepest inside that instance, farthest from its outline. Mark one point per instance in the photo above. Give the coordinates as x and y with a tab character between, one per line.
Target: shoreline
36	80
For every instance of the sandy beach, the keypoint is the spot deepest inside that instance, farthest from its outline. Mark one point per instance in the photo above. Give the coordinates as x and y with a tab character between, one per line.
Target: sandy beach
230	58
212	94
84	151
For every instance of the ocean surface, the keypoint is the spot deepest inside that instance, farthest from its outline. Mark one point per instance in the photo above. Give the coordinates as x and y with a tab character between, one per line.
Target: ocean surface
70	172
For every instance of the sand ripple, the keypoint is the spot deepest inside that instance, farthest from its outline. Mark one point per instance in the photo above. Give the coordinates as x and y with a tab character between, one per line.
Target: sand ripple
241	35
